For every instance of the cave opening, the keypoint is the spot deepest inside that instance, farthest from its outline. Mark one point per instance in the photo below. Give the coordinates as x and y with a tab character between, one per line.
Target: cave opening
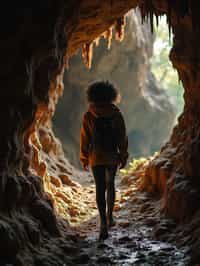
140	67
76	201
150	91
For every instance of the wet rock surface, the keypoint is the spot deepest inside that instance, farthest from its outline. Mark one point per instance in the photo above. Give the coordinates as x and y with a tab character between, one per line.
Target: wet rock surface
136	239
142	234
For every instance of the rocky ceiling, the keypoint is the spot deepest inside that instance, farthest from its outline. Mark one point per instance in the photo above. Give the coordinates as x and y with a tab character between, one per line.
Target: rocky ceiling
36	49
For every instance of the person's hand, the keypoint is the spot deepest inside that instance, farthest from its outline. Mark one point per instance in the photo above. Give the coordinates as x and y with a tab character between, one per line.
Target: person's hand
122	164
86	167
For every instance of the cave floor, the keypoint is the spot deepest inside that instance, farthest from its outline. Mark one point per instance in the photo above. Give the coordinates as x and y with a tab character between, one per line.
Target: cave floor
139	237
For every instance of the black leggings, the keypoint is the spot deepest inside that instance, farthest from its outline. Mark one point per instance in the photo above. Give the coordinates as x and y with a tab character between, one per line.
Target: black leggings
104	176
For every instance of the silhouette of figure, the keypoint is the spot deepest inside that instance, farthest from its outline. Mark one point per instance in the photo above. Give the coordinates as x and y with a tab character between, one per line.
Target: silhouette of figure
103	146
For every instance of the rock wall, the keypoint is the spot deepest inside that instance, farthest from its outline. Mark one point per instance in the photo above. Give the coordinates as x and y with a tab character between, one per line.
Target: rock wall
127	64
174	171
36	42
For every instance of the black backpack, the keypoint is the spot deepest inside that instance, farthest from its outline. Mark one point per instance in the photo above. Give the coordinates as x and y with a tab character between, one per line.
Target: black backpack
104	134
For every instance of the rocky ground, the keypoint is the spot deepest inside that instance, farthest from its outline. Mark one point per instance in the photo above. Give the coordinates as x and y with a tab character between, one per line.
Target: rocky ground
139	237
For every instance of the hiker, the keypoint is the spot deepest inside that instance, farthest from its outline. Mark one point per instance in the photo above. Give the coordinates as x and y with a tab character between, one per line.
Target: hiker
103	146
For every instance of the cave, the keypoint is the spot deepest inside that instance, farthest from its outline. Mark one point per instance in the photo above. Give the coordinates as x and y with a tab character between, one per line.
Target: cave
35	213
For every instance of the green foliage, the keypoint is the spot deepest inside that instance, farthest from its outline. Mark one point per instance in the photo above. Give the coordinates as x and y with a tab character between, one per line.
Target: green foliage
162	67
137	163
133	165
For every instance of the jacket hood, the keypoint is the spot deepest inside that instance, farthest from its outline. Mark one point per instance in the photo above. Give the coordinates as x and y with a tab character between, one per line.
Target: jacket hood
103	109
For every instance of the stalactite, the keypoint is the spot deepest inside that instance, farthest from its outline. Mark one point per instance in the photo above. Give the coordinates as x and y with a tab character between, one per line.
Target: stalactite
96	41
180	7
169	16
151	20
87	53
147	13
119	28
157	20
108	35
149	9
142	12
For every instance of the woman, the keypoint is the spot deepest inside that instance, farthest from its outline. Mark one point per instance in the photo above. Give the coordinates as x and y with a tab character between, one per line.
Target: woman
103	146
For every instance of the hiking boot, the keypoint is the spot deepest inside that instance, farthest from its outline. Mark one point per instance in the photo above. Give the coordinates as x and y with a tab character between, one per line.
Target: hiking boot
103	233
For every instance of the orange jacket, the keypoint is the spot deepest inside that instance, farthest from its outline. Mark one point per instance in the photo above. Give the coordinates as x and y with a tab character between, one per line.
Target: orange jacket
87	155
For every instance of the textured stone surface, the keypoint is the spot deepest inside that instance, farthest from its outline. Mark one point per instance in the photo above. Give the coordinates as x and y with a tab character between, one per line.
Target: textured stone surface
36	42
33	56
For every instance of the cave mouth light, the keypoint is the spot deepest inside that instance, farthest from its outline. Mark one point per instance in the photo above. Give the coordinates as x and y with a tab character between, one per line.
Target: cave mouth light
141	68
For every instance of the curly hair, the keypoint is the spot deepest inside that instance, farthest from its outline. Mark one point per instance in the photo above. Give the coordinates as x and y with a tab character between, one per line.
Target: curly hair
102	92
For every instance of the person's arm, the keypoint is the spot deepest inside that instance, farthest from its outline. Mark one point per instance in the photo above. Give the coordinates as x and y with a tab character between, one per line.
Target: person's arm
122	141
84	143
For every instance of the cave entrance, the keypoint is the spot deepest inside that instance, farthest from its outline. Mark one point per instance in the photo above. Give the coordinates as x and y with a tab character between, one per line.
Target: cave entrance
140	67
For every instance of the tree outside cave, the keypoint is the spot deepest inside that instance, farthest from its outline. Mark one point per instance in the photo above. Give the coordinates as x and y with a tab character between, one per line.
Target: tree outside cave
162	67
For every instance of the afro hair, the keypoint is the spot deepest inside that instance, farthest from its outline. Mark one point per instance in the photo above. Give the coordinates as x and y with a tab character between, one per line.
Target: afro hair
102	92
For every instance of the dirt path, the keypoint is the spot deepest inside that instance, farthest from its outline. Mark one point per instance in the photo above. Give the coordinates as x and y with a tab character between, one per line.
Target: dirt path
131	241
